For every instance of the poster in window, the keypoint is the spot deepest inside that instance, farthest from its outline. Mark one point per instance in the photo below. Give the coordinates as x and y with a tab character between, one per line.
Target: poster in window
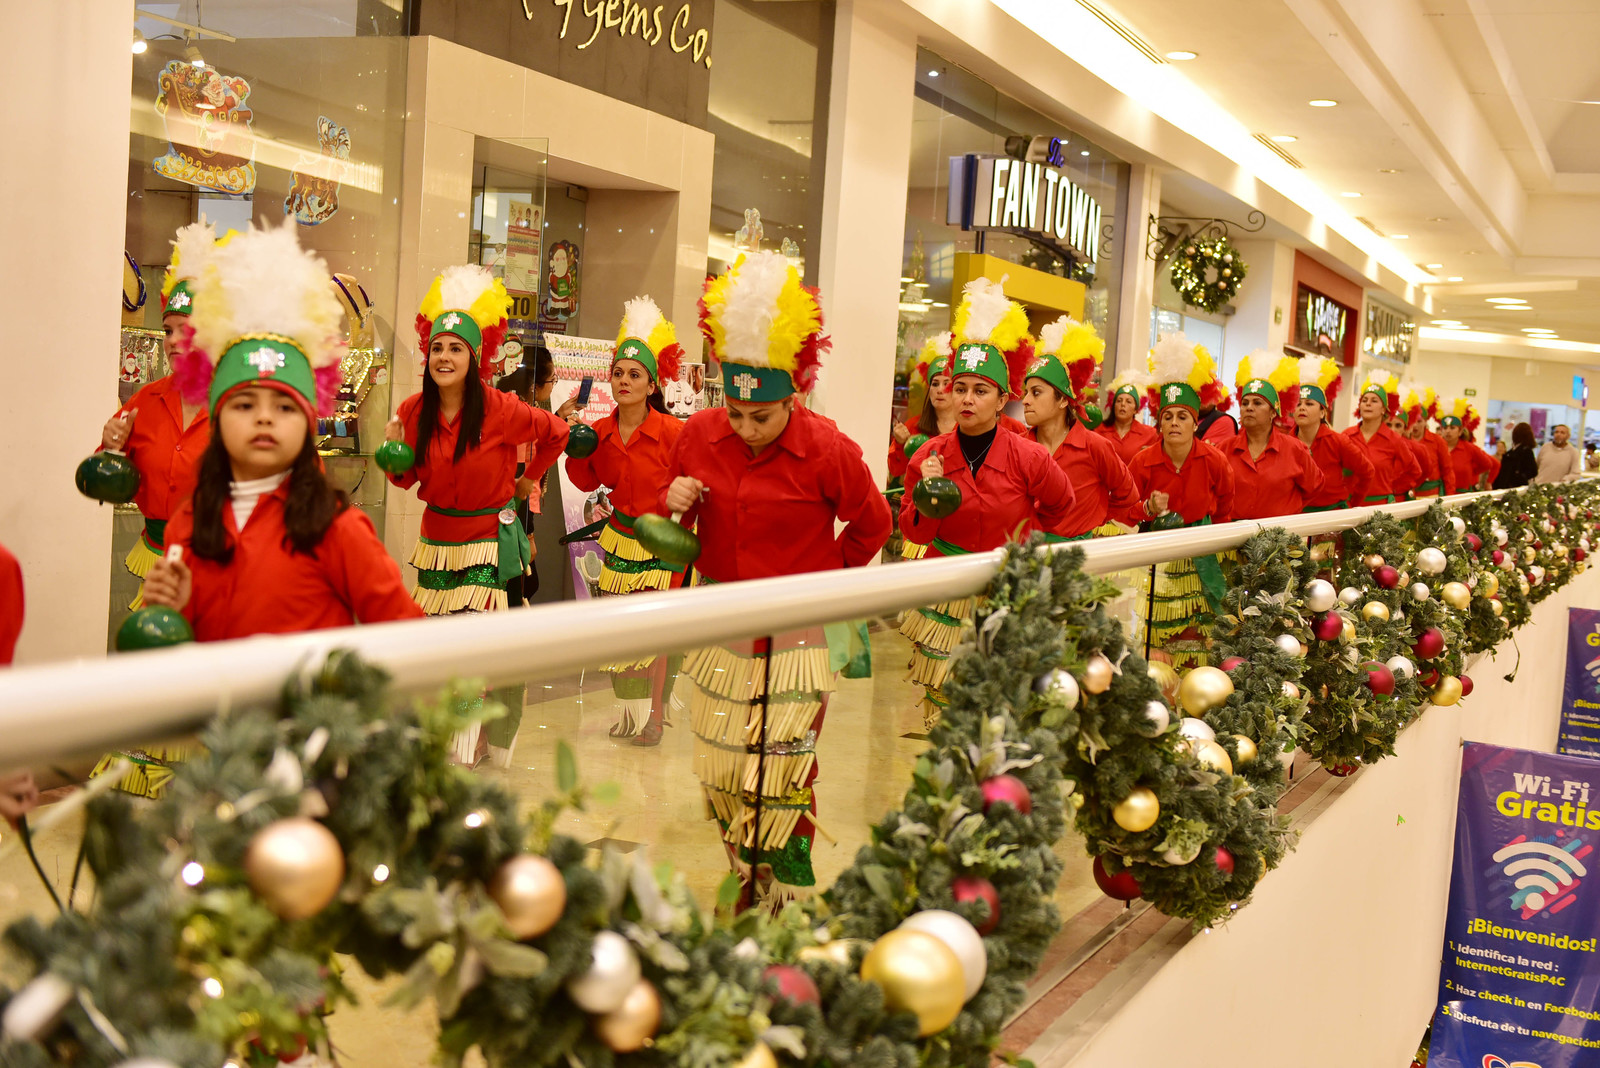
524	232
207	118
560	304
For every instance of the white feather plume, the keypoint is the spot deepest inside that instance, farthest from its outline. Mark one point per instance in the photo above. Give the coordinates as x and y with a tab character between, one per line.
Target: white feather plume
987	305
191	250
1172	359
1310	370
1259	364
460	286
640	316
941	343
1053	334
751	307
263	282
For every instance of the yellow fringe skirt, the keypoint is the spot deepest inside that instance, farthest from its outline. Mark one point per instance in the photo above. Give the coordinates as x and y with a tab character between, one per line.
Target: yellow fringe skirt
933	632
138	562
461	577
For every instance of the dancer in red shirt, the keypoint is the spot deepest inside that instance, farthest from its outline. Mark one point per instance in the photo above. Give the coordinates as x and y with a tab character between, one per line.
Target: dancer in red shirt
162	433
1345	469
1182	481
1395	467
1273	472
1126	434
767	481
938	414
1474	468
465	440
636	442
1417	403
1101	486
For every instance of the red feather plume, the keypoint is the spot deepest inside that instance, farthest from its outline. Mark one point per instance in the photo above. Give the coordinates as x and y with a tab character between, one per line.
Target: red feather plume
424	331
492	337
809	358
1079	373
668	361
1017	362
1216	395
1333	389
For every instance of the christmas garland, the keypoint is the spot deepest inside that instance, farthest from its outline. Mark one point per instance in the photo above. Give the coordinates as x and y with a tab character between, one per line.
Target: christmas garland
1207	273
212	936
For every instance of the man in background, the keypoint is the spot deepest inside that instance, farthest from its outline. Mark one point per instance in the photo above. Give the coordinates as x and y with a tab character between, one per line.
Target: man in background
1560	460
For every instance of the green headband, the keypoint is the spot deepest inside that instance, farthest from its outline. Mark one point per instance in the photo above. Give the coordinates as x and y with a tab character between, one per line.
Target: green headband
181	300
1048	369
1180	394
938	367
1260	387
1315	393
1379	390
755	385
263	359
981	359
1449	420
461	325
634	349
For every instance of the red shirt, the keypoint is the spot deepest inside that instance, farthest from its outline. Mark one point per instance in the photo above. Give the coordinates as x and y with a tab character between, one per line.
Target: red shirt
897	452
1394	466
1468	462
774	514
485	477
11	604
1278	482
166	453
1346	471
1441	459
1101	486
1019	489
1139	435
636	469
1203	488
268	588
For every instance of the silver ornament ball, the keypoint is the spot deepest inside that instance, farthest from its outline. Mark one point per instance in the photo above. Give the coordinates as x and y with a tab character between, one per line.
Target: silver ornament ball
1320	595
1401	667
1059	684
1420	591
1350	595
1431	561
1196	730
1156	720
613	971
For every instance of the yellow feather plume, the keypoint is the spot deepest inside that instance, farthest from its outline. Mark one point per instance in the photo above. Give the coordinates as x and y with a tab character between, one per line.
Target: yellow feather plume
1277	369
987	316
471	289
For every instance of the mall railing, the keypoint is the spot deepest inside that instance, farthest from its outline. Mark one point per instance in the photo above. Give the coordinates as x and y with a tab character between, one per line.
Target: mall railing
60	709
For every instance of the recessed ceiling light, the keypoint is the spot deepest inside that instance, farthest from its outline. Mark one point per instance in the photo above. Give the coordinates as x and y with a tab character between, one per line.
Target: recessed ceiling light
1347	193
933	74
1284	139
1399	237
1437	218
1181	56
1504	300
1388	170
1434	266
1446	322
1454	278
1323	103
1537	330
1085	152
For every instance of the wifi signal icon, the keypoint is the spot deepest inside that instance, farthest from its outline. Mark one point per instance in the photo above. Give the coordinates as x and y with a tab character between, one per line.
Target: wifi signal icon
1541	872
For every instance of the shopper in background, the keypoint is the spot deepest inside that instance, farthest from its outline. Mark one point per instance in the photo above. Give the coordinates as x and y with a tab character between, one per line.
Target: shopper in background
532	381
1520	465
1591	458
1559	461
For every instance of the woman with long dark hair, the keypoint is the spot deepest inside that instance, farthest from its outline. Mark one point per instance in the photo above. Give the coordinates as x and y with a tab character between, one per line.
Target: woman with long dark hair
465	440
1520	464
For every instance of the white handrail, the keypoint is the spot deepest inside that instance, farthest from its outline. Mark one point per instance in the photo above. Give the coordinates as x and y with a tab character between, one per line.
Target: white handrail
49	711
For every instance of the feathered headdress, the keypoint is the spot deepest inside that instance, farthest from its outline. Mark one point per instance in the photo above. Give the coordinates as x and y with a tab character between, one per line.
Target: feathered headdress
1135	384
934	359
1184	373
1456	411
991	337
1387	387
265	315
470	303
1267	374
765	327
649	337
1417	401
1318	379
1078	347
191	251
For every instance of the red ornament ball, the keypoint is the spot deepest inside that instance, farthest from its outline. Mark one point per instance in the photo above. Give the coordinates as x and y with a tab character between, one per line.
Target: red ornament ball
1466	685
1579	554
793	984
1474	542
1522	517
1498	557
1008	789
1380	680
1429	644
976	888
1537	545
1328	626
1341	770
1431	679
1121	886
1224	861
1387	577
1232	662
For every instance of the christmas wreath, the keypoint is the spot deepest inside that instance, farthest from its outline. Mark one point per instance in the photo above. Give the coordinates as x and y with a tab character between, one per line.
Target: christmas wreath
1207	273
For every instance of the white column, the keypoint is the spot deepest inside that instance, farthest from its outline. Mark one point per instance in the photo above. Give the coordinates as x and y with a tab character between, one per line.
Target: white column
63	231
863	221
1138	296
1264	310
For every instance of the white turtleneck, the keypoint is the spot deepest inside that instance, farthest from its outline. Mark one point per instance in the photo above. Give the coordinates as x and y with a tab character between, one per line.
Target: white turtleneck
246	494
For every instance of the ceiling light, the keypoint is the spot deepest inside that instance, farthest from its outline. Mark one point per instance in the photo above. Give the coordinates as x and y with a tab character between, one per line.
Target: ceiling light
1434	266
933	74
1454	278
1085	152
1537	330
1399	237
1437	218
1388	170
1323	103
1504	300
140	45
1181	56
1446	322
1284	139
1347	193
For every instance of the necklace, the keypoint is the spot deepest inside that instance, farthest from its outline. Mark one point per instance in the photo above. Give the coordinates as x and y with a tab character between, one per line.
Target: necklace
977	461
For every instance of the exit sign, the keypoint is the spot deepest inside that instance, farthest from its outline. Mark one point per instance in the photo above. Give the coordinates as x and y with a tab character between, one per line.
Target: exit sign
1469	393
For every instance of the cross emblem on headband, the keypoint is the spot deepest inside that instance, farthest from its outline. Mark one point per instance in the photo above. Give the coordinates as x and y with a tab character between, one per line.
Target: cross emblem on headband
1037	364
180	299
1255	386
451	321
973	356
1173	393
266	361
746	384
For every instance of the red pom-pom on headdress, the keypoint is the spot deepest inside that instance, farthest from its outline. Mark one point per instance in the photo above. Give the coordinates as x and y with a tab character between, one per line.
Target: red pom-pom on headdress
492	338
1018	360
668	362
1214	394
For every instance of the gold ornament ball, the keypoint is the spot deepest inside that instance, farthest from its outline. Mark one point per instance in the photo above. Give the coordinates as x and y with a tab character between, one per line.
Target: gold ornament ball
1097	674
834	952
1375	610
1290	690
531	893
1528	555
760	1056
1246	747
1448	692
1138	811
295	866
1165	677
919	974
1456	595
1348	632
1203	689
1496	607
1319	554
1489	584
1373	562
1213	757
633	1024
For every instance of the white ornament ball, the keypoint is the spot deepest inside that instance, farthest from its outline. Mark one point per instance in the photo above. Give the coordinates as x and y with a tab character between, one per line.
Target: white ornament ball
33	1012
1583	543
1289	644
962	938
1196	730
1458	524
1420	591
1431	561
1401	667
1178	859
1350	595
613	972
1500	536
1156	720
1060	684
1320	595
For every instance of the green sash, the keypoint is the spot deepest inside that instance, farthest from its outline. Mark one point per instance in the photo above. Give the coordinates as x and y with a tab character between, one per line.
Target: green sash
1434	484
1328	507
948	548
155	533
515	555
1387	498
1209	569
1054	539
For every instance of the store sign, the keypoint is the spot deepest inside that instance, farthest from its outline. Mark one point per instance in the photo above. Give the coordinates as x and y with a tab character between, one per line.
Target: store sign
1320	323
1390	333
649	23
1001	193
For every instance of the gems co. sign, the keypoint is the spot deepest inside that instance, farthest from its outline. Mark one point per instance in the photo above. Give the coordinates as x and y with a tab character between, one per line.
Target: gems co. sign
648	23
